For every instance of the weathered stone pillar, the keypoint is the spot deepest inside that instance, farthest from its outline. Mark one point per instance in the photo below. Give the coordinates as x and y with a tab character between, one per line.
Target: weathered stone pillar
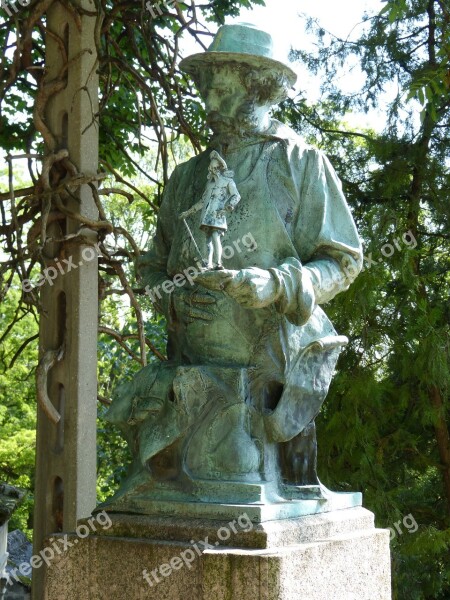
66	451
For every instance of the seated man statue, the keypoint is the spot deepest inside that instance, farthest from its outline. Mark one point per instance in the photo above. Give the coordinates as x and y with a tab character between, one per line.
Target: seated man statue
229	418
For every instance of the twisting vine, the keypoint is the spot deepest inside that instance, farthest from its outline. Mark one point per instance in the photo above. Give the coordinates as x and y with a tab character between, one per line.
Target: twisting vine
146	109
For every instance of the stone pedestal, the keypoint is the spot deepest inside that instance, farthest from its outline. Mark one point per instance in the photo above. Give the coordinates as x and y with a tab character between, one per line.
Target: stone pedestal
330	556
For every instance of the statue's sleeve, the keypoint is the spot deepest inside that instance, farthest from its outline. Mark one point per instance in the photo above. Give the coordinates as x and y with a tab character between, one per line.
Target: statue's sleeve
234	196
152	266
325	237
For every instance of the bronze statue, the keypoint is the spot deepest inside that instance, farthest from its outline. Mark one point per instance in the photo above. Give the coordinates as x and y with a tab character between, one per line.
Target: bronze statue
228	420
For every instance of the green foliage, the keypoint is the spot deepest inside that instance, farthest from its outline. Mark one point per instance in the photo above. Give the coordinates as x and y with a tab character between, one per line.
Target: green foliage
18	408
379	431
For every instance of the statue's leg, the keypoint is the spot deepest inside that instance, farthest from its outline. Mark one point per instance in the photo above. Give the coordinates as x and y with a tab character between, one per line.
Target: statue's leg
217	247
298	458
210	247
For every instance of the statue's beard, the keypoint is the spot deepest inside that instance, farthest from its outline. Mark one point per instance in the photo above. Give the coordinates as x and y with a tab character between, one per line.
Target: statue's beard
242	124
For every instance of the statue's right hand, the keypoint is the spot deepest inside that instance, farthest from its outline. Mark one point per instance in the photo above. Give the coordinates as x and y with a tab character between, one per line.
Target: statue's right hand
193	305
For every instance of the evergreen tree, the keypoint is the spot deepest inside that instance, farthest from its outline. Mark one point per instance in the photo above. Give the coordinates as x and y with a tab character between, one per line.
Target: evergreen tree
384	429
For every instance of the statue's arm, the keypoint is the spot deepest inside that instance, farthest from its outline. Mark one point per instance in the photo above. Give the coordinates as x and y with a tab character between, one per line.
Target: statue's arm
234	196
326	236
195	208
329	250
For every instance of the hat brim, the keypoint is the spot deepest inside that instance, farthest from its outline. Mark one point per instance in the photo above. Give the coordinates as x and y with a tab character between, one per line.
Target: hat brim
193	64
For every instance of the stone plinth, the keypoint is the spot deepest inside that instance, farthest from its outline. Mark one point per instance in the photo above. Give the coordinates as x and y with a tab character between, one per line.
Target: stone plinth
331	556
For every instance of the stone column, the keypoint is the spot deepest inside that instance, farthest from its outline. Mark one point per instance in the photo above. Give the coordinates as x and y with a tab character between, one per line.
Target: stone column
66	451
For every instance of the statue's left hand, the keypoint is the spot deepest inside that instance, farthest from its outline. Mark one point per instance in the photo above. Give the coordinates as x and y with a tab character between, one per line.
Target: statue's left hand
252	287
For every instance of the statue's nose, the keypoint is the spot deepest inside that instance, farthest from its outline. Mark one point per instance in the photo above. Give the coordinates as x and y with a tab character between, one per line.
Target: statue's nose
212	102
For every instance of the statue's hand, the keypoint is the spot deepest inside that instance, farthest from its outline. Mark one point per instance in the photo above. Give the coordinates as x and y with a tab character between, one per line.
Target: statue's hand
193	305
184	215
215	280
252	287
226	210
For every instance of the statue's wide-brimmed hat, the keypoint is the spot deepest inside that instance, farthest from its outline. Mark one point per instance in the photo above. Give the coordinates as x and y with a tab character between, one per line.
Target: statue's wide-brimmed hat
242	43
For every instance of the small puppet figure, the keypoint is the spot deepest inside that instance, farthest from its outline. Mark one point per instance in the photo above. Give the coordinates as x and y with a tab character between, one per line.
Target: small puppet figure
220	196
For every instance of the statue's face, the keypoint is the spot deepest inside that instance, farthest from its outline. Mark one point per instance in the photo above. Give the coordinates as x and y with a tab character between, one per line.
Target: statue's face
225	96
214	167
229	106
